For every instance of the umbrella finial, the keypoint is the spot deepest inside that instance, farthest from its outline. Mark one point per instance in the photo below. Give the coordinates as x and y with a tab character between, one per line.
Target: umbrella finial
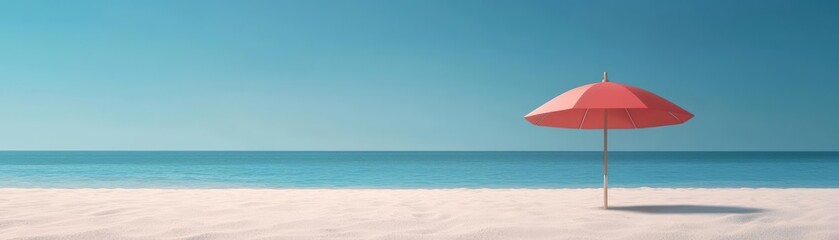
605	76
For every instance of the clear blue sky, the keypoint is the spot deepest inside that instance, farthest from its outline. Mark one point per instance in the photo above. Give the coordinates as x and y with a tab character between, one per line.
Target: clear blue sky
409	75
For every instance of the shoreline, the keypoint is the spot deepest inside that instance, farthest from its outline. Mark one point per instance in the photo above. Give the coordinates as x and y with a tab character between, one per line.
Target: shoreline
399	189
635	213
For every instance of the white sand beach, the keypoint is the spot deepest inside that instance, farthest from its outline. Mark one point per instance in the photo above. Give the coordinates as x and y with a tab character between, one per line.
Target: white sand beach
640	213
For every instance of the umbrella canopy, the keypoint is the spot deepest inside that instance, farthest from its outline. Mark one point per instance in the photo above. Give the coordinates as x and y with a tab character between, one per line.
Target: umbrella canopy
606	105
628	107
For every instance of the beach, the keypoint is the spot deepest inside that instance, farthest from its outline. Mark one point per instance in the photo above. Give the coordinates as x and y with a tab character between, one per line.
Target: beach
635	213
419	120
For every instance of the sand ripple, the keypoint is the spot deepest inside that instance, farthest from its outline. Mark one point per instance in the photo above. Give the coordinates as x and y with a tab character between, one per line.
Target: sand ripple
643	213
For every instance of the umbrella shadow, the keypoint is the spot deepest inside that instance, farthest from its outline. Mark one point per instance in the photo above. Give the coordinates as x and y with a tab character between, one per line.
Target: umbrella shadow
688	209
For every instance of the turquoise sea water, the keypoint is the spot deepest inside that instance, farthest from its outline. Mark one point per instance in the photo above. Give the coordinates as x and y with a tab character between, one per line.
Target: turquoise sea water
415	169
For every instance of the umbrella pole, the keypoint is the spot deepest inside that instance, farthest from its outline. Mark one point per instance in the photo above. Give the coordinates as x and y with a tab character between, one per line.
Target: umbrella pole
605	159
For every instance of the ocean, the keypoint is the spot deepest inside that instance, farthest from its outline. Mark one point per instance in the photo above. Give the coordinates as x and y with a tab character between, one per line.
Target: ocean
246	169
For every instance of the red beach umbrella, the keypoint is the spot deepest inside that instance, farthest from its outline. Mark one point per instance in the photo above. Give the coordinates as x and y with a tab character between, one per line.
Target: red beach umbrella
606	105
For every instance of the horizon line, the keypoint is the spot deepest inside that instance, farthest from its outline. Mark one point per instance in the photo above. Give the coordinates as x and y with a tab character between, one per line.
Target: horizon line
233	150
